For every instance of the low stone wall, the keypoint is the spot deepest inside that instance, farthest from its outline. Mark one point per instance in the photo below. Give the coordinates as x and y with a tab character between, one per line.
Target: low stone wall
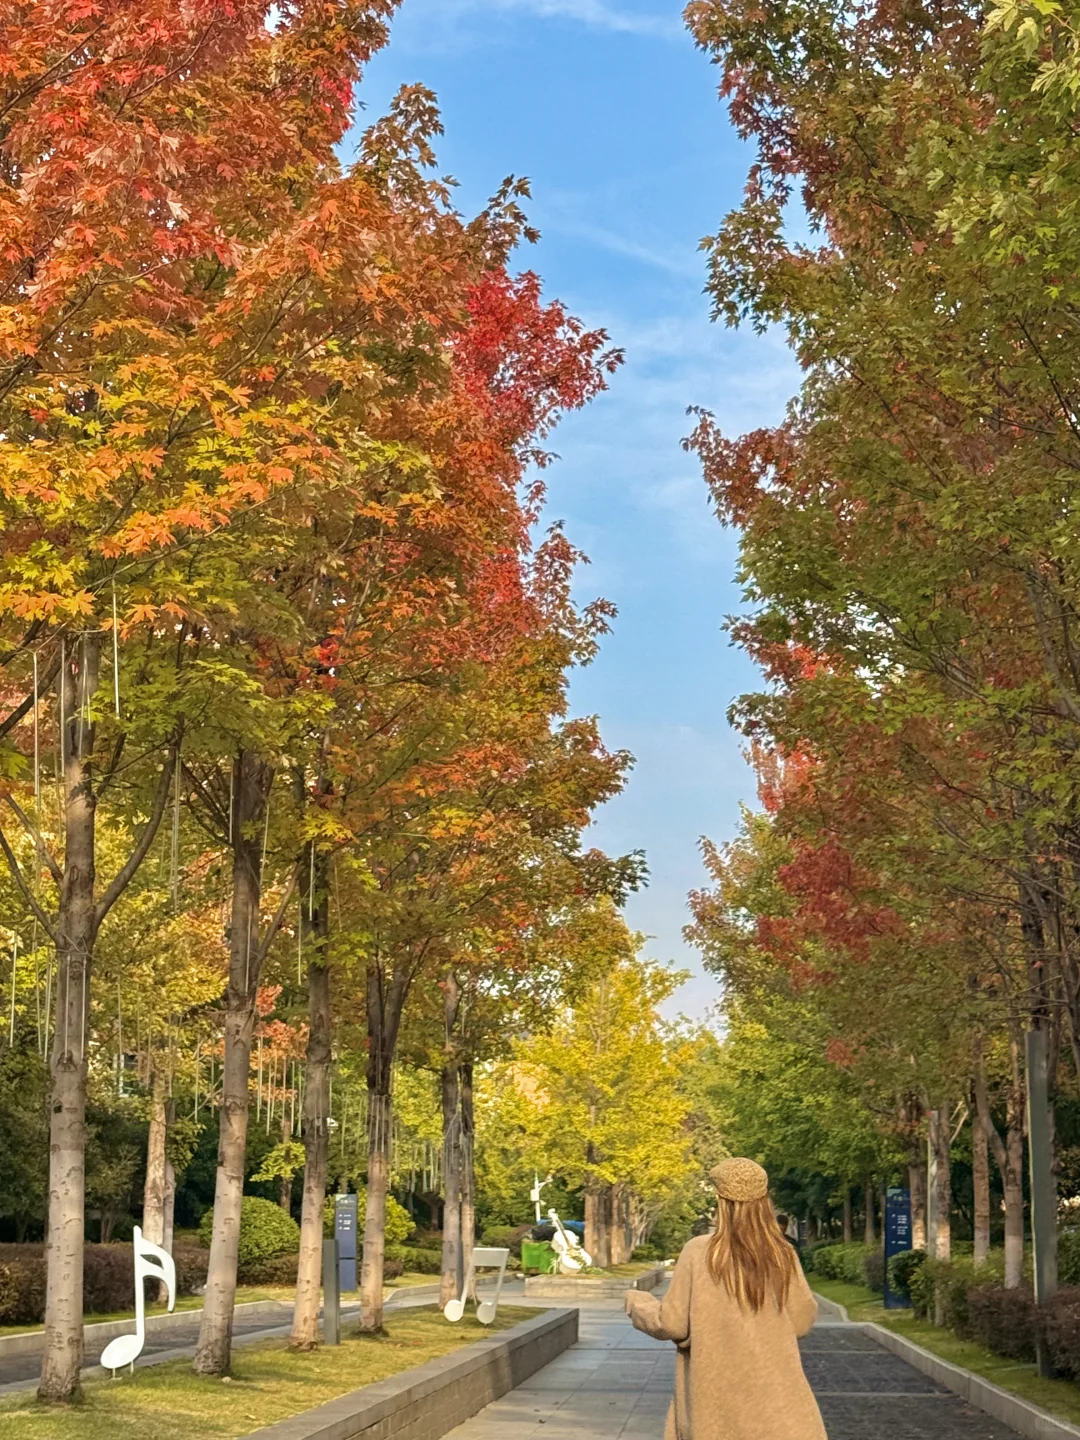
590	1287
428	1401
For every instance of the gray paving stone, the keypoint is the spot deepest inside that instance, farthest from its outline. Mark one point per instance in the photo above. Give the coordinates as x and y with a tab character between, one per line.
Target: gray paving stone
616	1385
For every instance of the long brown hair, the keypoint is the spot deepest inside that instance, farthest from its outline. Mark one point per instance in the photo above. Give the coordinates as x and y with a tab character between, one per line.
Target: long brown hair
749	1255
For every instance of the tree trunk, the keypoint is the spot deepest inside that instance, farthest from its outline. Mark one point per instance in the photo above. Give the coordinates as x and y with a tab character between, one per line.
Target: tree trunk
1009	1157
170	1206
468	1166
251	784
869	1227
940	1139
847	1230
385	1002
620	1225
1013	1184
315	920
157	1166
153	1220
75	930
598	1224
450	1287
917	1187
980	1173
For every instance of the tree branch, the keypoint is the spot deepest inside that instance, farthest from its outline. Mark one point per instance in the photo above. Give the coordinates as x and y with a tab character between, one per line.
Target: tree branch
126	873
26	705
982	1106
27	893
35	835
276	922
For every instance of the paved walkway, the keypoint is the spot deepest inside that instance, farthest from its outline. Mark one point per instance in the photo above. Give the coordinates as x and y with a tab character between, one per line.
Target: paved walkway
616	1385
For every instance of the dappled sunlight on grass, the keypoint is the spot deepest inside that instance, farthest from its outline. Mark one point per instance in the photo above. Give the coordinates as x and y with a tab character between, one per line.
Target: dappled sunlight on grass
163	1402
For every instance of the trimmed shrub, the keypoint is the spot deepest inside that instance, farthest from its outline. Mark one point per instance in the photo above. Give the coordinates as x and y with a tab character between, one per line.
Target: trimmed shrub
420	1261
947	1282
265	1233
903	1268
646	1252
280	1270
1060	1323
1069	1258
392	1269
843	1262
191	1263
874	1271
1002	1320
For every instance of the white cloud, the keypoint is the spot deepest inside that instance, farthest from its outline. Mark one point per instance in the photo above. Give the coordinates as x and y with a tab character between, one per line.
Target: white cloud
598	14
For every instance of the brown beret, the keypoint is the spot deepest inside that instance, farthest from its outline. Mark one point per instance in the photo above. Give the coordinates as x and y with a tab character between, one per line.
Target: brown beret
739	1179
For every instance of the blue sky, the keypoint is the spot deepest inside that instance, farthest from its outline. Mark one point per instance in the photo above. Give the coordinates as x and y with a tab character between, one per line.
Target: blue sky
612	114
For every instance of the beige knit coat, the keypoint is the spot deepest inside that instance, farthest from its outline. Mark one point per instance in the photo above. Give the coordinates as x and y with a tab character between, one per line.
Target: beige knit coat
738	1375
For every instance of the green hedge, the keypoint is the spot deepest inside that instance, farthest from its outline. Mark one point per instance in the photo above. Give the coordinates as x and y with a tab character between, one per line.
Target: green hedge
108	1279
855	1264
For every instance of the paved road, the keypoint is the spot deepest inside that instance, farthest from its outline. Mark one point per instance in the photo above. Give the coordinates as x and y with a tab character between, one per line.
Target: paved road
616	1384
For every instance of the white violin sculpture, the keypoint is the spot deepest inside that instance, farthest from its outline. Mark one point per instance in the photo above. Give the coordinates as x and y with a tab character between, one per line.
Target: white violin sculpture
572	1254
153	1263
485	1309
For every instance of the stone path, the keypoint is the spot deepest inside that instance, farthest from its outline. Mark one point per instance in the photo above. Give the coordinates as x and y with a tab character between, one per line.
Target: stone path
616	1385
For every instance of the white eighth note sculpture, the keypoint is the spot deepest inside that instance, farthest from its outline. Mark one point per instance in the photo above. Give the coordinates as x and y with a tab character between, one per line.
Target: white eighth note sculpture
151	1263
485	1309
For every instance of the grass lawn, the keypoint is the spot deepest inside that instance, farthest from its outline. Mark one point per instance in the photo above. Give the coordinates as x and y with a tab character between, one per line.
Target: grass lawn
162	1402
1059	1397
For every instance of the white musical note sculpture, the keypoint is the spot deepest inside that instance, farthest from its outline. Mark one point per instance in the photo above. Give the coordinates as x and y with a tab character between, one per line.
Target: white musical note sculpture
493	1256
151	1263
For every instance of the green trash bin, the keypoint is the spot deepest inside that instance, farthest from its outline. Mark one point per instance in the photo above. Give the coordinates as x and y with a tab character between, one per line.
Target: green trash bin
539	1255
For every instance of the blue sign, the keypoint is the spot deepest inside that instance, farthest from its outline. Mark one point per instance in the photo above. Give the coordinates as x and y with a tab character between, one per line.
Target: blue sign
897	1238
345	1232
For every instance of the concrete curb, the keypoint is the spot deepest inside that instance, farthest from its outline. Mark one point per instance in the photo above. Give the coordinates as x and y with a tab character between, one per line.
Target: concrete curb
567	1287
1026	1419
32	1342
832	1308
434	1398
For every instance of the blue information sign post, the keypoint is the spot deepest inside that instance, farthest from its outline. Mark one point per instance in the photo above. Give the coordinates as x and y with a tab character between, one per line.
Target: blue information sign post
345	1225
897	1238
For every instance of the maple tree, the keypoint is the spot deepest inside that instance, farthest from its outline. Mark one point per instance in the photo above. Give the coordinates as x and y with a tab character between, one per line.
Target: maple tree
267	424
903	547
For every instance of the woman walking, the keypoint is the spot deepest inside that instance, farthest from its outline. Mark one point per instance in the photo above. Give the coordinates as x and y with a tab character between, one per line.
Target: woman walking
737	1304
